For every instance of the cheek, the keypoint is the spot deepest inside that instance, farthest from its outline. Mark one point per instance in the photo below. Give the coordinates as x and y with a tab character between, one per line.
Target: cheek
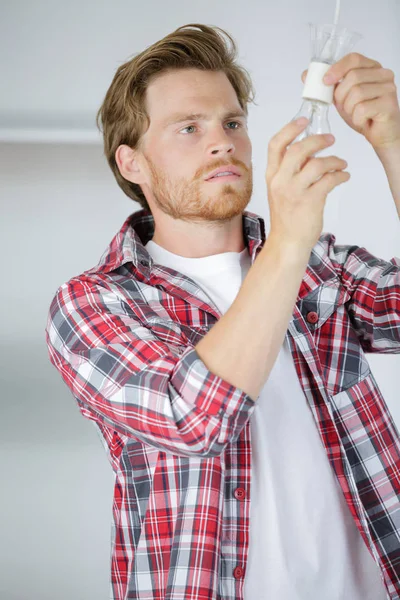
245	153
243	145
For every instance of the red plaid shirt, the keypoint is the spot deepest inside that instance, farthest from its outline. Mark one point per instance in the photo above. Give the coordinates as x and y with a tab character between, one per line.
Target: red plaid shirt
122	337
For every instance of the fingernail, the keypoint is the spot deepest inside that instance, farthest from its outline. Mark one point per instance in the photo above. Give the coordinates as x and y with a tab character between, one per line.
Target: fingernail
302	121
329	79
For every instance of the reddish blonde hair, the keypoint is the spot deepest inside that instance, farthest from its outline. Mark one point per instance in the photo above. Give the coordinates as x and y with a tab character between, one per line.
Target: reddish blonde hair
123	115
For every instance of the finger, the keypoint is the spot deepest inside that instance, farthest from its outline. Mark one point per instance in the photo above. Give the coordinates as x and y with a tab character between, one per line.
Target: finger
300	152
362	76
328	182
349	96
350	62
279	143
316	168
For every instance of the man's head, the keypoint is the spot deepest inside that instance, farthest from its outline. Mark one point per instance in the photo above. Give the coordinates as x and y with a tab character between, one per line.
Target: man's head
161	164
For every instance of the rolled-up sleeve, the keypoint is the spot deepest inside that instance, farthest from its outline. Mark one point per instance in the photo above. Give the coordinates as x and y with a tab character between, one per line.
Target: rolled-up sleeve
374	288
125	378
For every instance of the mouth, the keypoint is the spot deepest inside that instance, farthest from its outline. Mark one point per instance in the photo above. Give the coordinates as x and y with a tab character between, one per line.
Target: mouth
223	178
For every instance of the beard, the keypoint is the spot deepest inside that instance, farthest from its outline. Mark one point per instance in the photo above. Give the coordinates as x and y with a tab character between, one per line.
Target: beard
197	200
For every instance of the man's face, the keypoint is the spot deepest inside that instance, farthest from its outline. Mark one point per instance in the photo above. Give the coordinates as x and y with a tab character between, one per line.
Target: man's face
180	155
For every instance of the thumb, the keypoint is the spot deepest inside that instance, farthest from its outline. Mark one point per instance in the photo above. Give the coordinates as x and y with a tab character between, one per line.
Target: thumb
304	75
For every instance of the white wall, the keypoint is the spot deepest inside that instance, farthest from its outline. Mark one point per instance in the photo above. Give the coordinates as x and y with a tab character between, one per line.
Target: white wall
61	207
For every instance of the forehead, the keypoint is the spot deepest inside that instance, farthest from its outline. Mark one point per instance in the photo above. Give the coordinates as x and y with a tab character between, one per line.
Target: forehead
193	90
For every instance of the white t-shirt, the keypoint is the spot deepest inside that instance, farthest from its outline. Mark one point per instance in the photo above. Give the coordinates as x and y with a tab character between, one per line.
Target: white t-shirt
303	542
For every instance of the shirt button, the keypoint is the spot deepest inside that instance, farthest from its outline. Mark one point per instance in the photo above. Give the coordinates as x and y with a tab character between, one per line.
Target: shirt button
237	572
312	317
239	493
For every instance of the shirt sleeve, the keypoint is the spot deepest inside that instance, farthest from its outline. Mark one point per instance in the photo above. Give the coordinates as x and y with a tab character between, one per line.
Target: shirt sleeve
125	378
374	288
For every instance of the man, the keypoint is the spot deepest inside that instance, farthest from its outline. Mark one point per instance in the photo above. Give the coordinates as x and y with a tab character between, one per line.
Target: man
253	451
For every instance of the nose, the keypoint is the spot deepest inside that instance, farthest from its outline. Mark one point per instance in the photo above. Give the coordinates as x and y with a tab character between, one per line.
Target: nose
223	148
222	144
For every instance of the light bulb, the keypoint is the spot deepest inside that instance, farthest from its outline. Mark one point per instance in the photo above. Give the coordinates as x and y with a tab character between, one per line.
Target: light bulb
329	43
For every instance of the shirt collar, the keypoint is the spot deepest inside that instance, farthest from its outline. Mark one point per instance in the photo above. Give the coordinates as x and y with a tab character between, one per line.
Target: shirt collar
128	245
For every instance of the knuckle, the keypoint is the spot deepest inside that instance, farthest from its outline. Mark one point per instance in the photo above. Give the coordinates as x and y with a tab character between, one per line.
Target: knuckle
389	73
314	166
354	77
270	178
274	184
296	148
330	177
358	92
273	142
357	59
362	109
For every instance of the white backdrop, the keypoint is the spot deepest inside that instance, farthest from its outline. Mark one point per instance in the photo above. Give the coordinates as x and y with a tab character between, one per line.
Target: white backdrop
61	207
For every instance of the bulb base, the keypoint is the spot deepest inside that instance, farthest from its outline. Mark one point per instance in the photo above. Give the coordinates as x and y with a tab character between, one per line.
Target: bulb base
314	87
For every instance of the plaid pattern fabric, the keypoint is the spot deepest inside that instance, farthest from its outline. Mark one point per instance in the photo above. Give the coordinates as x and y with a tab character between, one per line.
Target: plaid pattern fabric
122	337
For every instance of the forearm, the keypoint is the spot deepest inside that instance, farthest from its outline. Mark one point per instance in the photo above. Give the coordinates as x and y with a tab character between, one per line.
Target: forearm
390	159
243	345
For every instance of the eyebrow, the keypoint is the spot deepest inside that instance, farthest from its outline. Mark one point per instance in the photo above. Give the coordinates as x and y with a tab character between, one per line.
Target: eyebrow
181	117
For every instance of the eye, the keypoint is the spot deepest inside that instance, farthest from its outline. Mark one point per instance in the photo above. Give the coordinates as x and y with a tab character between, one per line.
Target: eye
237	123
187	127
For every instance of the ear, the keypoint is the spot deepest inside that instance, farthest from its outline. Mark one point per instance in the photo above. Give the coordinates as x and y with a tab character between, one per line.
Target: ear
128	165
